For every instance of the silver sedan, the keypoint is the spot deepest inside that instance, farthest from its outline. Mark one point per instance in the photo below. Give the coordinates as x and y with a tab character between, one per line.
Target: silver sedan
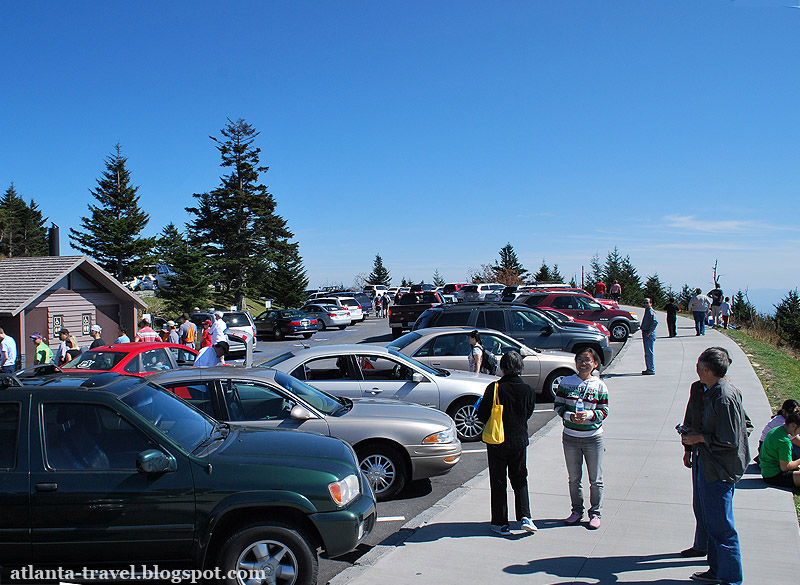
396	442
355	371
447	347
328	315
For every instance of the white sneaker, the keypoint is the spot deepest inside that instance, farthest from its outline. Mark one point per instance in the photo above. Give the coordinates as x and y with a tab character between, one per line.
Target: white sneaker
527	525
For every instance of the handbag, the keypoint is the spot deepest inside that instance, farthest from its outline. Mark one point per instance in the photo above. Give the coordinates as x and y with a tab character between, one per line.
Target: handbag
493	433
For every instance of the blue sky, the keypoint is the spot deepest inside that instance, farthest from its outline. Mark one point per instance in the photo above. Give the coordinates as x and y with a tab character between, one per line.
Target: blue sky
433	133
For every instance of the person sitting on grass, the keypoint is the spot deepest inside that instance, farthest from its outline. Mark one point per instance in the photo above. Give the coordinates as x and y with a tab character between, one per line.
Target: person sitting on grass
777	466
778	420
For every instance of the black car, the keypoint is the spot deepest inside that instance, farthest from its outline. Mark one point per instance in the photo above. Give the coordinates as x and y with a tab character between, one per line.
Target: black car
526	324
108	471
282	322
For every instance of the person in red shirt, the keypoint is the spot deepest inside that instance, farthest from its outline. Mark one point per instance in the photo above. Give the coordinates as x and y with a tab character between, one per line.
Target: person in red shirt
600	290
205	337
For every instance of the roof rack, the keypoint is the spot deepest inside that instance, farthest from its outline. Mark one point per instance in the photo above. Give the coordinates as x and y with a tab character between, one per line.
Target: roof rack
8	380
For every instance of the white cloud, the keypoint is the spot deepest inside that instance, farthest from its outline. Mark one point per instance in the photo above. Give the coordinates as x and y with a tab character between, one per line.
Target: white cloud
691	223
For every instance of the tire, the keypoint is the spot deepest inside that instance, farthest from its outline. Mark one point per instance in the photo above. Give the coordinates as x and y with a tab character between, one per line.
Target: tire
277	334
551	384
619	331
322	326
396	332
271	546
307	335
342	327
385	469
464	414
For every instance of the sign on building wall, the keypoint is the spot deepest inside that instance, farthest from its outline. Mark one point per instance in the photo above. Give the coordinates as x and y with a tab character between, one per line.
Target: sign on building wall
86	323
58	323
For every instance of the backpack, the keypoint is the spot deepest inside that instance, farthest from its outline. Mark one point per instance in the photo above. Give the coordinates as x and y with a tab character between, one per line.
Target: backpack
190	336
488	362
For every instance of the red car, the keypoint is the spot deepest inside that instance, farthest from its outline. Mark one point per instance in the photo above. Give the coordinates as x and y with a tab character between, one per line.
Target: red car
135	359
563	317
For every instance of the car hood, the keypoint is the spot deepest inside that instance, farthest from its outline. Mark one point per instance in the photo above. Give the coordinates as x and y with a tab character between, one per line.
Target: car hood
372	408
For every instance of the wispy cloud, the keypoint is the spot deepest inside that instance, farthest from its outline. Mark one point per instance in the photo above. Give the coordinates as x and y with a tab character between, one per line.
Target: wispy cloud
693	224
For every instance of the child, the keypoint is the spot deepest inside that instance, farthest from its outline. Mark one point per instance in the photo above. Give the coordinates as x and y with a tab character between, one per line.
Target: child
780	419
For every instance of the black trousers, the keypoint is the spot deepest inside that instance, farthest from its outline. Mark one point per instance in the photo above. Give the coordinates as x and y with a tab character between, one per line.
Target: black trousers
671	325
504	461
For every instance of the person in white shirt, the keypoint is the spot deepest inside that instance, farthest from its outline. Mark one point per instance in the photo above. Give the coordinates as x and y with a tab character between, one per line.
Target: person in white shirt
212	356
8	353
218	329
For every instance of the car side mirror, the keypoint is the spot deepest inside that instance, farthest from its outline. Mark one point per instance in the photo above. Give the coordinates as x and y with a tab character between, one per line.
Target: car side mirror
417	377
299	412
155	461
526	351
548	330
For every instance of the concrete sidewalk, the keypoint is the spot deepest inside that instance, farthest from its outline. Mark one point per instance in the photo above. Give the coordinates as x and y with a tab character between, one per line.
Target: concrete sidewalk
647	516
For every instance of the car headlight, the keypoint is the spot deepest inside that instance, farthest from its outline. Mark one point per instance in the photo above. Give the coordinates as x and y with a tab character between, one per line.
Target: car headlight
345	490
446	436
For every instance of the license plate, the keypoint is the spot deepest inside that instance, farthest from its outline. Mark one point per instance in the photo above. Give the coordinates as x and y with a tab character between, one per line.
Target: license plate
304	323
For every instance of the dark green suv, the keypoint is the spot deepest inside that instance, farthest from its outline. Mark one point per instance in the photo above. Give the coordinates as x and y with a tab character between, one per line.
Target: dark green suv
112	471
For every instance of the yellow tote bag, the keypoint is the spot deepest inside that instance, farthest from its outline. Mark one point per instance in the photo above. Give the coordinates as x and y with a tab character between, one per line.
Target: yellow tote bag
493	433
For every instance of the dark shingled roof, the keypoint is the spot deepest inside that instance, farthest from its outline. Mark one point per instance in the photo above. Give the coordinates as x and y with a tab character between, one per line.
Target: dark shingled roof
23	280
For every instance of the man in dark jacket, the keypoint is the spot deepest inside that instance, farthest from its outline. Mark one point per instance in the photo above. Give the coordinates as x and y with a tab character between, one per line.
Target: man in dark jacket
518	400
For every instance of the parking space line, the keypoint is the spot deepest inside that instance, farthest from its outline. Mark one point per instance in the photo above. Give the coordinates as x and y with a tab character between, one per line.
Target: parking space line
391	519
473	451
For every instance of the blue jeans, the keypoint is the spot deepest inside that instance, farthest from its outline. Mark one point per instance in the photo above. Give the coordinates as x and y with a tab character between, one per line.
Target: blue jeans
649	342
576	450
699	322
700	536
724	555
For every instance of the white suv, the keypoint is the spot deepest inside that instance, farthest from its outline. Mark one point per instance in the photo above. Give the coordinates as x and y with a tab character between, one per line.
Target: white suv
478	292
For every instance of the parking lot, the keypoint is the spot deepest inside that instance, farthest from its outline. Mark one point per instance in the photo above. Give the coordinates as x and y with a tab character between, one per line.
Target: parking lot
420	495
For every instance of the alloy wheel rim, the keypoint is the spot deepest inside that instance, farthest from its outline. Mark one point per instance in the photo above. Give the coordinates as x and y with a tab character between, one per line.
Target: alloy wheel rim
267	562
380	472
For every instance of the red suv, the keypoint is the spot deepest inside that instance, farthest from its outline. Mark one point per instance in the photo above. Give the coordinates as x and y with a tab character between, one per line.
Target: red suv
581	306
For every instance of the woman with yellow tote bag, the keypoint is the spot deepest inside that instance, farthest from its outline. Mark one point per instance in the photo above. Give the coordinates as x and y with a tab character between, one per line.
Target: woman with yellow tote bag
511	401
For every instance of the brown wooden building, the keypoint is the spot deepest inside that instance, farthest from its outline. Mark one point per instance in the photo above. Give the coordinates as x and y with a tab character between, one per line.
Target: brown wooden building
44	294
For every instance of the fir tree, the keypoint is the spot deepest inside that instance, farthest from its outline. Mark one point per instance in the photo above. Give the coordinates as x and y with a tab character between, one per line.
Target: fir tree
508	270
743	311
787	318
236	225
437	279
613	269
654	290
286	281
631	284
544	274
111	234
379	274
572	282
595	274
22	231
556	275
189	286
684	296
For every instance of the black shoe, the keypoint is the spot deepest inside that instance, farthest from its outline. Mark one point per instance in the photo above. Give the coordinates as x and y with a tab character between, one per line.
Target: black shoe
705	577
693	552
647	373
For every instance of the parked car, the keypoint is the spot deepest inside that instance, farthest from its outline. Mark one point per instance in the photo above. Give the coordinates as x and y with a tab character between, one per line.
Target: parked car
411	305
525	324
327	315
107	471
375	289
511	293
448	347
135	359
349	303
355	371
282	322
478	292
239	322
364	301
396	442
454	288
619	323
565	319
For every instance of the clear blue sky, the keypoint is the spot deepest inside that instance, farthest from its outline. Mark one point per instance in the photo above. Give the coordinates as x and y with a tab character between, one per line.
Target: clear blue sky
433	133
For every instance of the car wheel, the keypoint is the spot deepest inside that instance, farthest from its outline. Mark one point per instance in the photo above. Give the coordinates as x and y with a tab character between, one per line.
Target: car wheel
307	335
322	325
385	469
277	334
465	415
619	331
278	551
551	384
396	332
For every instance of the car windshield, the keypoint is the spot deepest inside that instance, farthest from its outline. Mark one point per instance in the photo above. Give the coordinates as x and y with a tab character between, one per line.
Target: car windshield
236	320
323	402
292	313
170	415
421	366
271	363
403	341
96	360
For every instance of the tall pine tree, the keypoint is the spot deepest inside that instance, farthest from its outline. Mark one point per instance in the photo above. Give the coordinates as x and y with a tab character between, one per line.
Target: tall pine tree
236	225
188	287
379	274
111	234
508	270
437	279
654	290
22	231
286	281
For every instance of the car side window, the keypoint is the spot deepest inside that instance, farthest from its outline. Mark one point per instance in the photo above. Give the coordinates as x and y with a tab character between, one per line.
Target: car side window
564	303
185	357
254	401
380	368
329	368
426	350
198	394
9	434
453	318
526	321
155	360
456	344
496	344
90	437
491	320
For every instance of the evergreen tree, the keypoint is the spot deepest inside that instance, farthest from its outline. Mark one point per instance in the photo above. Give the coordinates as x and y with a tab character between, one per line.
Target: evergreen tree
684	296
437	279
379	274
787	318
508	270
544	274
236	225
614	269
631	284
556	275
654	290
22	231
572	282
111	234
189	286
595	274
743	311
286	281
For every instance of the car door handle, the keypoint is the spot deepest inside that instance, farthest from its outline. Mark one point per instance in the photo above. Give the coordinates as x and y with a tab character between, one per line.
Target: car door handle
375	391
47	487
436	363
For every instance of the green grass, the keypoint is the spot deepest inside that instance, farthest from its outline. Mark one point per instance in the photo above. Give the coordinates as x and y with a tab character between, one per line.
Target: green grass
779	372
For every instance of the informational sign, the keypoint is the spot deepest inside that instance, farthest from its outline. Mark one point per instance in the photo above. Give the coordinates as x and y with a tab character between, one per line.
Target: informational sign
86	323
58	323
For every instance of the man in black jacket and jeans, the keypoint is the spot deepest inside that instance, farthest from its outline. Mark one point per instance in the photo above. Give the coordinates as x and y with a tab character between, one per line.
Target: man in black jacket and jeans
509	457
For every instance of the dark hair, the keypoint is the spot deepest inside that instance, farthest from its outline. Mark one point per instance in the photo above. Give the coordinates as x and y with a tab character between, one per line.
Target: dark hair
475	335
671	299
186	316
717	360
511	363
725	351
793	418
123	330
592	352
789	406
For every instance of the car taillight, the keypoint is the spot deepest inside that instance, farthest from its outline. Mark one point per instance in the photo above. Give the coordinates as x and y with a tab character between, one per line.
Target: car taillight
348	313
294	323
389	311
331	314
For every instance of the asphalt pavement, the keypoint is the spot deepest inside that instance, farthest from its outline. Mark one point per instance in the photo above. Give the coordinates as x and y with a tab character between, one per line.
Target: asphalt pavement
648	514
